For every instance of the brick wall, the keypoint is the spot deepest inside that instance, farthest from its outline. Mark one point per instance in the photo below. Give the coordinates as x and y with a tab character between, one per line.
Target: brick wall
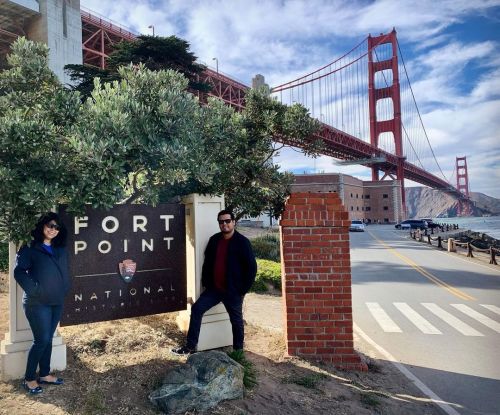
316	272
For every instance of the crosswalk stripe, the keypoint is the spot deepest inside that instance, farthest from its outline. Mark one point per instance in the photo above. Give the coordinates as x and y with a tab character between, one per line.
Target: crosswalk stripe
454	322
493	308
421	323
488	322
383	319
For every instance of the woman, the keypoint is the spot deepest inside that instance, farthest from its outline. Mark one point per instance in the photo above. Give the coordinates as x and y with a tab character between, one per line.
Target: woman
42	272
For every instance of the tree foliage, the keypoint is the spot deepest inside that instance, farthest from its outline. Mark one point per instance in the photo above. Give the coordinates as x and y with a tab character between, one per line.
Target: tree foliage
154	52
140	139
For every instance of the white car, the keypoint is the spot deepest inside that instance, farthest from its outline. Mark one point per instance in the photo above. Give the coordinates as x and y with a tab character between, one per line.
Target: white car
357	226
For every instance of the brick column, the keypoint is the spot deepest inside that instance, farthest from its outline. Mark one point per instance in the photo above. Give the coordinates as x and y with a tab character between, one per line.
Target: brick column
316	273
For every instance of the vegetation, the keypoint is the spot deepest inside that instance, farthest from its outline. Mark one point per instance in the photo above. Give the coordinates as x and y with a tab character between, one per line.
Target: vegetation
268	276
143	139
267	246
154	52
4	256
249	373
310	381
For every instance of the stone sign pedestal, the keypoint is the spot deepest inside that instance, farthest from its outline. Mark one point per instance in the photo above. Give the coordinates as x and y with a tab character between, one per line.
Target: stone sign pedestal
201	224
17	342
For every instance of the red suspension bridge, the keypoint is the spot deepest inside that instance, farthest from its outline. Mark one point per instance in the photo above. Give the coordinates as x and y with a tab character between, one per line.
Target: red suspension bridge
363	100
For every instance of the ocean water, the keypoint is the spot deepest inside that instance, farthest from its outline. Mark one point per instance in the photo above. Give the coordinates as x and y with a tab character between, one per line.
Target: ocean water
489	225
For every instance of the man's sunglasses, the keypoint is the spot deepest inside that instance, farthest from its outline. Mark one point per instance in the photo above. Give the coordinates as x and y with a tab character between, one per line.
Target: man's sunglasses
53	226
226	221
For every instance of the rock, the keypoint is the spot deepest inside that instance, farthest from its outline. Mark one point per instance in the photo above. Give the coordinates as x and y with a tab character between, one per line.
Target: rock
207	379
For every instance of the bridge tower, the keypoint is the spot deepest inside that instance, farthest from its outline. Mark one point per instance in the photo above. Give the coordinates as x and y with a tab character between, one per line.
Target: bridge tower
464	203
375	94
462	175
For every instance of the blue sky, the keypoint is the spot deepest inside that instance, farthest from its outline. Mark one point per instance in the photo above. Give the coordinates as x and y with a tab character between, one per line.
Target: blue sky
452	50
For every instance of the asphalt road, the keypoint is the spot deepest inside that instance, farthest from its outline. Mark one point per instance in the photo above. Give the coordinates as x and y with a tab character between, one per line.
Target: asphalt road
438	314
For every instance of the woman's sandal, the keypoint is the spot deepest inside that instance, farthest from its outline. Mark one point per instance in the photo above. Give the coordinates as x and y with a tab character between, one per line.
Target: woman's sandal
58	381
33	391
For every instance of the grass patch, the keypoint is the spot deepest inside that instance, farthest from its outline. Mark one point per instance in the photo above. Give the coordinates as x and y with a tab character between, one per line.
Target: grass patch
249	373
94	402
369	399
309	382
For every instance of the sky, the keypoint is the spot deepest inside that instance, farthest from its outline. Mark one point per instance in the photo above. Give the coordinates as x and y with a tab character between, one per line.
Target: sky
451	50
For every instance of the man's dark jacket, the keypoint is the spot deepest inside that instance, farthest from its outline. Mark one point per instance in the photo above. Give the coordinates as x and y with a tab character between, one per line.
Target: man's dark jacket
44	277
241	266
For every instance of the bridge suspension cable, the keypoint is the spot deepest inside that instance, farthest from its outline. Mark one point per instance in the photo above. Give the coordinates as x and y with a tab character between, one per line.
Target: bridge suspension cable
403	66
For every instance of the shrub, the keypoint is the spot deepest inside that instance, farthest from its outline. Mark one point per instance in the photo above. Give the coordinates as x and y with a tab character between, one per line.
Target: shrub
267	246
268	273
4	256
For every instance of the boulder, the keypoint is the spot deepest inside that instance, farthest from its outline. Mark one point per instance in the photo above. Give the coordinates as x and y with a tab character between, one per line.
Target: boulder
206	379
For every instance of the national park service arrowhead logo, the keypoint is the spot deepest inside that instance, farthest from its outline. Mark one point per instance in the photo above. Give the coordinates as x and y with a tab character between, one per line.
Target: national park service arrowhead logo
127	269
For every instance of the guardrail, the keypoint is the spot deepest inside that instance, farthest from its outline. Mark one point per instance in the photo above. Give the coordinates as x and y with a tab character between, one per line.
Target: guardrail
452	243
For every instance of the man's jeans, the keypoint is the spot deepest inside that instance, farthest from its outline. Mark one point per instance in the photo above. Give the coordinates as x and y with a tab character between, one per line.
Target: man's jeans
43	321
208	299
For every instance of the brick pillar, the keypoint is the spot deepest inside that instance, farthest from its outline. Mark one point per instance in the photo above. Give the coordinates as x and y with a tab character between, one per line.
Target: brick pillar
316	272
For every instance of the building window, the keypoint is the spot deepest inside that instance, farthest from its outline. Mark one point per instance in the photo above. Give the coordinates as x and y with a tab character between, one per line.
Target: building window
357	207
352	207
367	196
386	220
351	194
385	195
368	208
356	195
386	207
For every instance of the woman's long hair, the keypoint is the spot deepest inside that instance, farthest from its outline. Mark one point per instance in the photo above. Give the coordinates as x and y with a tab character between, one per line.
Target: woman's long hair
37	233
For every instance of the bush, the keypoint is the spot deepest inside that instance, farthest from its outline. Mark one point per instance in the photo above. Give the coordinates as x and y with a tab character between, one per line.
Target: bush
268	274
267	247
4	256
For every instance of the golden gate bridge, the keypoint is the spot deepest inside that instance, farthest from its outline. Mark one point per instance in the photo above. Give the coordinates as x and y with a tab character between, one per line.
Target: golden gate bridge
363	100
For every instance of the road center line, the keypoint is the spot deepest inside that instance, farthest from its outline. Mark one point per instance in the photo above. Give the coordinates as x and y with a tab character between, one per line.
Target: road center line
445	406
455	291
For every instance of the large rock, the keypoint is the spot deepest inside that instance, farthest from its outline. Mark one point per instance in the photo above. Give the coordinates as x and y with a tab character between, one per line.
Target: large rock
207	379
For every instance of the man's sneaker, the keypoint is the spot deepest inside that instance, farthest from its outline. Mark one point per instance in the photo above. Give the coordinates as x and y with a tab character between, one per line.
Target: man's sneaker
182	351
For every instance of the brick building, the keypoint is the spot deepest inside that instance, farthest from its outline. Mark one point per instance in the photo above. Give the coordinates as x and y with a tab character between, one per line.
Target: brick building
376	201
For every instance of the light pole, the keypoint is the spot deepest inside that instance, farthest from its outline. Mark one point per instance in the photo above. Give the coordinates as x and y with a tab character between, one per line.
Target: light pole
216	64
152	26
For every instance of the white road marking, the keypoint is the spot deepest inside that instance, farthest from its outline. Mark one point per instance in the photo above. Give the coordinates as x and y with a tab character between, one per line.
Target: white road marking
454	322
488	322
445	406
383	319
493	308
421	323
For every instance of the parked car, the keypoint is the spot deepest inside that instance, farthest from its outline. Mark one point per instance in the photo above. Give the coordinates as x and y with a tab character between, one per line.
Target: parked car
357	226
431	224
412	224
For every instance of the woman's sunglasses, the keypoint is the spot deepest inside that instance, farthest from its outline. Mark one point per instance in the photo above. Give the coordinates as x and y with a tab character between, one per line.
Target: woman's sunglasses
53	226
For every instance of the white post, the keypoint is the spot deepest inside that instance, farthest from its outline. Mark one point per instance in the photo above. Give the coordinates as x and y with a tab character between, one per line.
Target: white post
17	342
201	224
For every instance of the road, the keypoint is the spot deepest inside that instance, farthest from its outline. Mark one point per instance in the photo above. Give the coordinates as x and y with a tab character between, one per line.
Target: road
436	313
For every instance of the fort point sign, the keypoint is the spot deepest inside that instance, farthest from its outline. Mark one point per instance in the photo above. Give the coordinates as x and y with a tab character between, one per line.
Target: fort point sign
125	262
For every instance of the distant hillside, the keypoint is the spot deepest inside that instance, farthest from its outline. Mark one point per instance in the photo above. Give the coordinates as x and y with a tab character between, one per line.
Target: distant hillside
424	202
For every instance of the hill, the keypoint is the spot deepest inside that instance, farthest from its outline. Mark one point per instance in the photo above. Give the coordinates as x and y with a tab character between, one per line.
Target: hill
425	202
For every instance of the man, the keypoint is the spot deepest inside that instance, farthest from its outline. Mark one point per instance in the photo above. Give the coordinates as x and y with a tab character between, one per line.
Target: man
228	273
